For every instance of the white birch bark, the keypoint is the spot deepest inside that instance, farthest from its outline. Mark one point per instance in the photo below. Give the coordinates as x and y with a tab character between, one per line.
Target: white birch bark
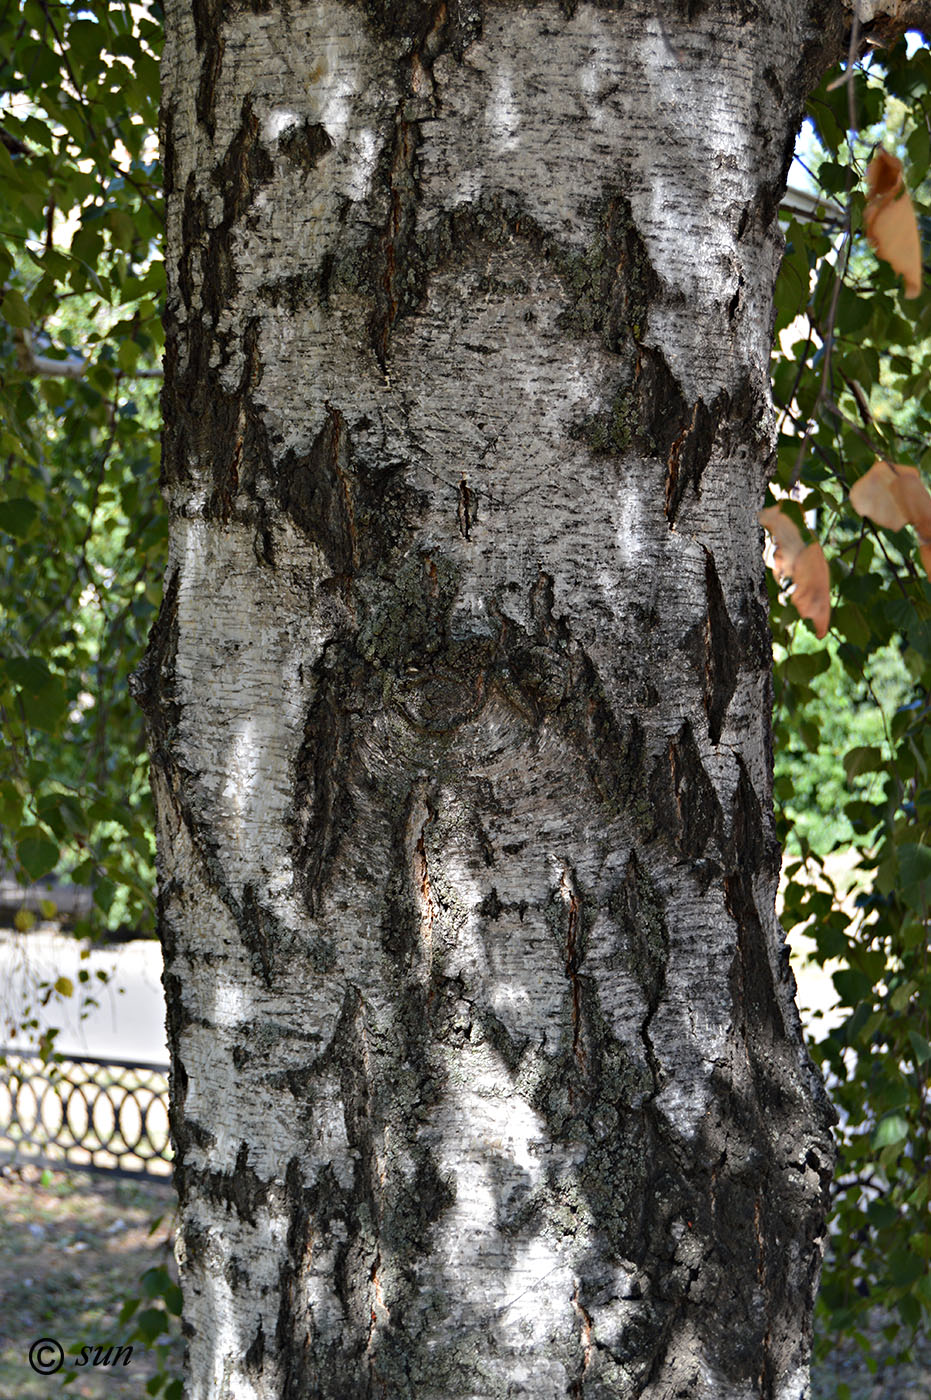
487	1075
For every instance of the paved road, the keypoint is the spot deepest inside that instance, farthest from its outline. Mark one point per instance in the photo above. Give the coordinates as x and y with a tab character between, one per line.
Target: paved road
128	1023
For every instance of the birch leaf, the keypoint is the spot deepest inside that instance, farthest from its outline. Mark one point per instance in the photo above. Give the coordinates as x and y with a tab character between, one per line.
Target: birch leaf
912	495
786	537
891	226
811	596
895	496
872	496
805	564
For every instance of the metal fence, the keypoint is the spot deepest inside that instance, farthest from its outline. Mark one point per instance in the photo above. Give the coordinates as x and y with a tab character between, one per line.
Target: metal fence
98	1115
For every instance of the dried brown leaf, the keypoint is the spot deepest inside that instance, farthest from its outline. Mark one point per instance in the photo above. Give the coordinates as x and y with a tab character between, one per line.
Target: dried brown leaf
873	497
786	537
890	220
912	496
811	596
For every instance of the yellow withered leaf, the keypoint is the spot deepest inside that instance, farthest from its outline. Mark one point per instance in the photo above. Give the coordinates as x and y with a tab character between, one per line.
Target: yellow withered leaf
786	537
811	596
890	220
873	497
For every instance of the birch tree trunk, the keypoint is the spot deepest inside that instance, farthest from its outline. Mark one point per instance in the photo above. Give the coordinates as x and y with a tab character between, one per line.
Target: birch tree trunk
487	1075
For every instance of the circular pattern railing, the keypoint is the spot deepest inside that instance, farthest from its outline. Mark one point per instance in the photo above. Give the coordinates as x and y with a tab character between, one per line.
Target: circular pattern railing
99	1115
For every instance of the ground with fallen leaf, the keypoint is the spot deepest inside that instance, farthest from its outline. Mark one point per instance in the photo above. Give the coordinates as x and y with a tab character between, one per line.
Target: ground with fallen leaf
72	1249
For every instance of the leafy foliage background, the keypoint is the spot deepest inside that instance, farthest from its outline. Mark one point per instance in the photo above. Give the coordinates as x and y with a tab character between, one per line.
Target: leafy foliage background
80	514
850	731
82	549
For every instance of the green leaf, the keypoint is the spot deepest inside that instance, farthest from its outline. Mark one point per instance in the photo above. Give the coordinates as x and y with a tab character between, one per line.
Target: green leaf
155	1281
920	1048
104	895
802	666
890	1130
917	147
30	673
13	307
915	872
150	1323
37	854
854	312
866	758
833	177
905	1267
17	516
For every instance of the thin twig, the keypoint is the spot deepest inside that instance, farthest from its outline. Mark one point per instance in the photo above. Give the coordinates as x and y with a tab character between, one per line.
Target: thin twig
842	260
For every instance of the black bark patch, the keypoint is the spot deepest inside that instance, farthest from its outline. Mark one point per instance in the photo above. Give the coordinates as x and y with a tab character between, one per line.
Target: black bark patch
357	509
263	934
652	415
639	911
491	906
152	684
376	1236
690	451
722	652
451	690
466	509
398	274
316	492
255	1354
205	266
685	805
748	845
304	144
643	928
241	1189
545	672
434	28
750	849
755	636
203	421
245	168
210	17
302	289
322	805
169	156
662	411
751	977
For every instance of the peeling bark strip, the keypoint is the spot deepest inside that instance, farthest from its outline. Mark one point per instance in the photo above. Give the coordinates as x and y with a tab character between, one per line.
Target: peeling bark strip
487	1076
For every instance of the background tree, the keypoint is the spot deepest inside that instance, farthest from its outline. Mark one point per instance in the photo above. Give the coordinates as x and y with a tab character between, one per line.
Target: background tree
82	522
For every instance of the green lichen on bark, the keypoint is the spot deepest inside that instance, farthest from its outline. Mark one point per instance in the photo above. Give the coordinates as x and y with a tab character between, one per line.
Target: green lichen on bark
611	282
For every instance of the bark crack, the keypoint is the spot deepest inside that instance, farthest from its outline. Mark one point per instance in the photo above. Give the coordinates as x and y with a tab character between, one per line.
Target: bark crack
577	1384
574	955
